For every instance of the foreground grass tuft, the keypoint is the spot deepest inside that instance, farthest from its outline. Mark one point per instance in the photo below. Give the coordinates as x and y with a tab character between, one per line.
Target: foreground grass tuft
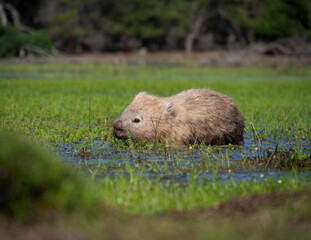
33	185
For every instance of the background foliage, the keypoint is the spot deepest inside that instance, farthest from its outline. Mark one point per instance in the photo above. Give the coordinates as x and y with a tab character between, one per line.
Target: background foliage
98	25
12	39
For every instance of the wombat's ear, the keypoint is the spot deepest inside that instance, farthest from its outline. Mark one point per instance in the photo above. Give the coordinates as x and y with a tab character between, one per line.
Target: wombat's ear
170	108
140	95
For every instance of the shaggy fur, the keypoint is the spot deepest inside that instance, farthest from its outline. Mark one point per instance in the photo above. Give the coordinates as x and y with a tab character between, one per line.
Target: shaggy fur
192	116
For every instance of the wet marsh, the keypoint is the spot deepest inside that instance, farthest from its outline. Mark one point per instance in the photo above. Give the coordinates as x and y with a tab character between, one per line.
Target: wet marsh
69	109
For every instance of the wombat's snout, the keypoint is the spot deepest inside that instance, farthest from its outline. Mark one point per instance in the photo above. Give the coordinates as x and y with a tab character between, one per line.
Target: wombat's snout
117	128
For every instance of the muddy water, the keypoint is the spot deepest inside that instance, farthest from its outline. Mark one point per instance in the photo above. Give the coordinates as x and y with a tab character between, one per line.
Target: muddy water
223	163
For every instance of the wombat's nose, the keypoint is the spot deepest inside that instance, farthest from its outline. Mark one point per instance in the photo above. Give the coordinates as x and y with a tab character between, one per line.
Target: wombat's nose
117	125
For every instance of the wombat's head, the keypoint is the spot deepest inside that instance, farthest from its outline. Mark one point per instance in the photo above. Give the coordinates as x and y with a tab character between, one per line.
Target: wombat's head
144	118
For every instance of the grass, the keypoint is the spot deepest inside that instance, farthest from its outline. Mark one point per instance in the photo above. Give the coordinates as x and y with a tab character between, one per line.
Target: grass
83	104
151	197
59	202
74	105
32	184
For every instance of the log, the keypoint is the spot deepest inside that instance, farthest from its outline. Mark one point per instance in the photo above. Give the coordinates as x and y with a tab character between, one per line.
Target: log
4	19
34	49
15	16
274	49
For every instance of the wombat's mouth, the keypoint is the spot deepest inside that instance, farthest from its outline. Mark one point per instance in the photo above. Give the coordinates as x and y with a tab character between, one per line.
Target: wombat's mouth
119	131
120	134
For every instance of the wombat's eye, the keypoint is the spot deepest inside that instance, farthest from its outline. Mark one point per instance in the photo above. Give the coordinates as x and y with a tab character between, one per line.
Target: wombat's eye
136	120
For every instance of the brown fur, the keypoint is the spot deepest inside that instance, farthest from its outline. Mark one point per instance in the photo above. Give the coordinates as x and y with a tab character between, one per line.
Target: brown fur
192	116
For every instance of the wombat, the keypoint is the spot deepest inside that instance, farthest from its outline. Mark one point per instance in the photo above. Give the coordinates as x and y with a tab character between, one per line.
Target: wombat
190	117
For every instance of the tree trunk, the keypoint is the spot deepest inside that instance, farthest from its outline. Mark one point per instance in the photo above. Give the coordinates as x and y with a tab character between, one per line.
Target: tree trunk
197	18
8	9
15	16
194	32
4	19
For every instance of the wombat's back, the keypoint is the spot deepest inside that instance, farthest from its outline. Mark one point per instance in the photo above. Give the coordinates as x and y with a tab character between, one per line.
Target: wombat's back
203	115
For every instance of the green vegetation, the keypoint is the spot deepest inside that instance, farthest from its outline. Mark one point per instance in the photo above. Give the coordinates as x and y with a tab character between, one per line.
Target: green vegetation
38	190
75	105
70	103
12	40
33	186
108	25
265	20
281	18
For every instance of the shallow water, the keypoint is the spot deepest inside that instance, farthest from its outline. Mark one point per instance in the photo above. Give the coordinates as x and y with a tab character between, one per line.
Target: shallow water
222	163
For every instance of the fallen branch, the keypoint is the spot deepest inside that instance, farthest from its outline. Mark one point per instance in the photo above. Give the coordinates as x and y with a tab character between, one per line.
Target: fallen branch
34	49
4	19
15	16
274	49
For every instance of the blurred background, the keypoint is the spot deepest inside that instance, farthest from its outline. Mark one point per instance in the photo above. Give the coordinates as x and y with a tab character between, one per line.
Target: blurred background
43	27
